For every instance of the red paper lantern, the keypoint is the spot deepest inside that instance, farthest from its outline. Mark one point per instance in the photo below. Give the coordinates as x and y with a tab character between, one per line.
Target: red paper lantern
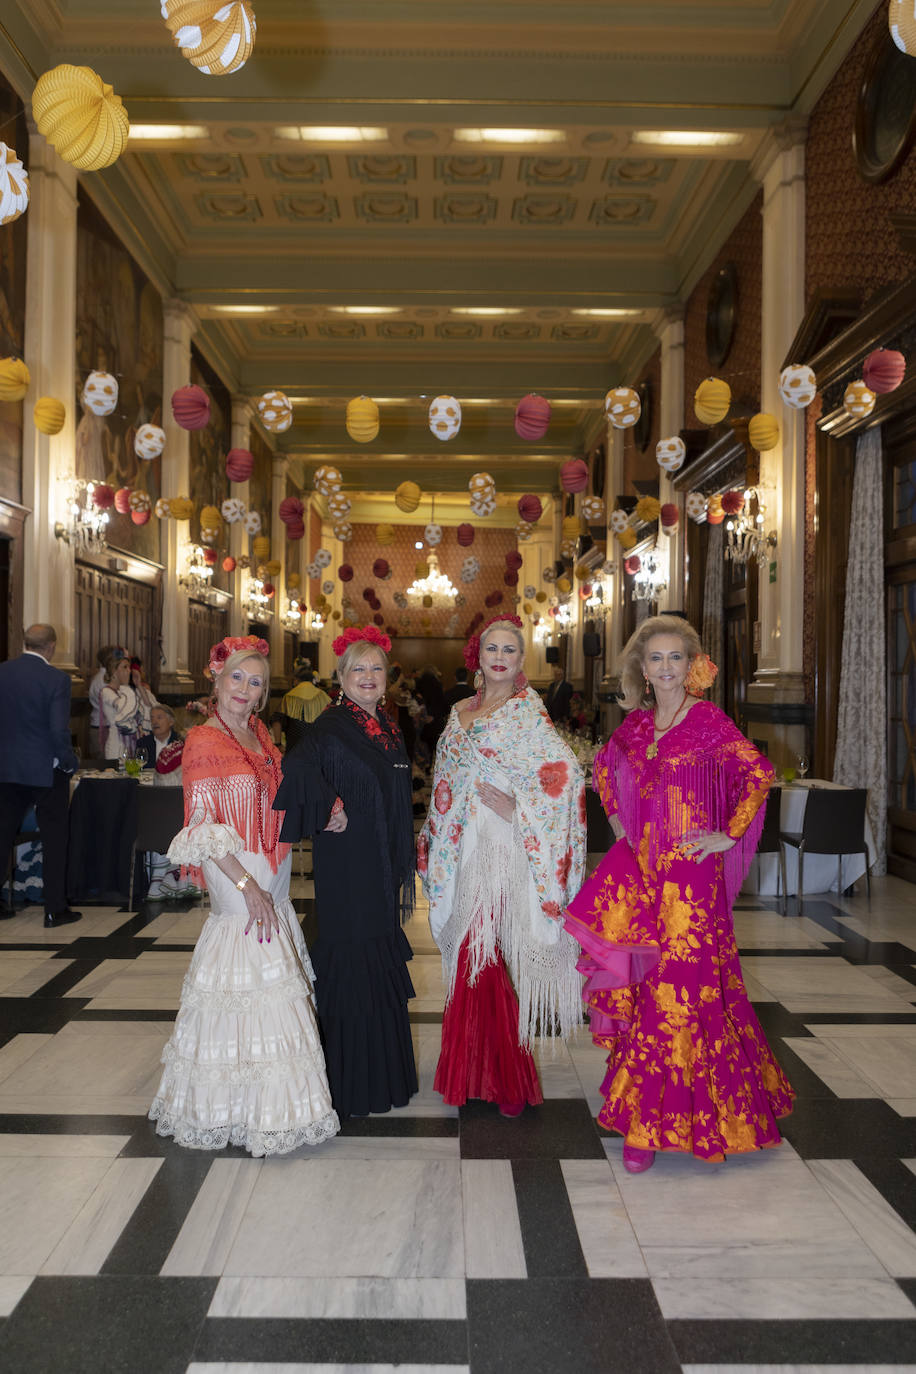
532	416
632	564
669	515
574	475
530	509
510	578
378	619
229	564
103	496
210	557
269	589
291	510
514	559
295	531
732	502
303	607
585	591
368	593
883	370
140	517
345	572
239	464
191	407
493	599
465	535
122	500
391	632
380	568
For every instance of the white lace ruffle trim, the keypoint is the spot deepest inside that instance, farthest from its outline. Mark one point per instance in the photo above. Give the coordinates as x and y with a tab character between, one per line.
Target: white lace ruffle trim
257	1143
218	1001
242	1072
209	840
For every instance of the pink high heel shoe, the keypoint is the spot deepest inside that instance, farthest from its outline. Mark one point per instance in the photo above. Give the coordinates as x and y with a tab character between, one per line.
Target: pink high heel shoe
637	1161
511	1109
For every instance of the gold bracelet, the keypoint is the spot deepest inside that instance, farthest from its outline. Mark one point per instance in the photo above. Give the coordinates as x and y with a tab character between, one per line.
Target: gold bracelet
246	877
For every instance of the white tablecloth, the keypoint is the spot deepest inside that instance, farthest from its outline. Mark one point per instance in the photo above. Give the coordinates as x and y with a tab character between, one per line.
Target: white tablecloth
820	869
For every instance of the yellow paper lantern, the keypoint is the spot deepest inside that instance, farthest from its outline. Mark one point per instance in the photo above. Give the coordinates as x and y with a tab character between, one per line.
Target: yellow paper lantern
901	20
275	412
14	186
714	512
564	585
49	415
182	508
260	548
14	379
80	115
712	400
541	597
216	39
210	518
427	601
407	496
763	432
420	571
274	567
292	580
528	608
647	510
362	419
582	572
384	534
572	526
858	401
626	538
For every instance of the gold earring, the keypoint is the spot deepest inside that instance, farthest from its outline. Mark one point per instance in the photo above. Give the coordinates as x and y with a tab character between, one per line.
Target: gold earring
478	680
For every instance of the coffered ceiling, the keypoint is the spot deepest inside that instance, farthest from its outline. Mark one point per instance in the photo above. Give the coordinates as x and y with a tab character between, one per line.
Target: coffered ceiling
410	198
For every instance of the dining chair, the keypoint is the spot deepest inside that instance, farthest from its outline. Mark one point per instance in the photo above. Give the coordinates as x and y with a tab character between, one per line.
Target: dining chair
160	816
769	841
833	823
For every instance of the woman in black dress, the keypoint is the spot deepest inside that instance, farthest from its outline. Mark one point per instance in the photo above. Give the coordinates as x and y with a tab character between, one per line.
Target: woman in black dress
347	784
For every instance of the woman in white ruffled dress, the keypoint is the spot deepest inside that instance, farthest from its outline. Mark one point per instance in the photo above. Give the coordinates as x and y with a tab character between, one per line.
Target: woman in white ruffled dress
244	1065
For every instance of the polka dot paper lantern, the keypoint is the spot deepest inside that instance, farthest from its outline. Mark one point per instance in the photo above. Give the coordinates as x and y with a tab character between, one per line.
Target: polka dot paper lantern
338	506
669	518
291	510
14	186
619	520
232	510
712	401
49	415
343	531
407	496
275	412
216	39
465	535
384	535
80	116
858	401
483	503
695	505
239	464
323	558
326	587
139	500
229	563
163	509
433	535
100	393
191	407
149	441
568	549
532	417
714	512
444	417
797	385
523	531
574	475
670	453
884	368
593	510
327	480
122	500
530	591
901	21
763	432
252	522
481	483
549	574
530	509
623	407
362	419
470	569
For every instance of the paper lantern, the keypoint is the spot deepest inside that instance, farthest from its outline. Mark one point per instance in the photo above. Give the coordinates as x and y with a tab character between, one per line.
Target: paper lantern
268	589
593	510
549	574
103	496
433	535
444	417
763	432
523	531
619	521
229	563
210	524
712	400
380	568
140	517
514	560
407	496
210	557
181	507
470	569
139	500
493	598
532	416
564	586
714	512
626	538
345	572
274	567
858	401
695	505
216	39
232	510
530	509
884	368
483	503
481	483
568	549
327	587
163	509
290	510
14	186
122	500
239	464
647	509
49	415
632	564
100	393
669	517
465	535
510	577
327	480
670	453
797	385
623	407
732	502
384	535
296	531
343	531
260	548
275	412
312	570
572	526
338	506
901	20
323	558
420	570
80	115
362	419
574	475
191	407
149	441
400	599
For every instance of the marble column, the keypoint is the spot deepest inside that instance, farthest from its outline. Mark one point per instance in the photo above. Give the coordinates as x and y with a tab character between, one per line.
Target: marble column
779	680
669	329
50	349
238	537
278	552
178	327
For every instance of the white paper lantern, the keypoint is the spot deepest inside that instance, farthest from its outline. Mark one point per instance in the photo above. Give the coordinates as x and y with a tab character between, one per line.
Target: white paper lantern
483	503
618	521
433	535
695	505
232	510
14	186
670	453
163	509
327	588
400	599
253	522
445	417
797	385
623	407
549	574
100	393
338	506
323	558
139	500
149	441
312	569
470	568
593	510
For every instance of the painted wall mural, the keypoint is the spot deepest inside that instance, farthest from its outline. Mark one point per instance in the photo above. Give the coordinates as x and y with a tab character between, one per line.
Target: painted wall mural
13	238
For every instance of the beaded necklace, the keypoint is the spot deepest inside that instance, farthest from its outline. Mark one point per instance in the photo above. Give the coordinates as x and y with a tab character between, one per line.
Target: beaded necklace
261	787
663	730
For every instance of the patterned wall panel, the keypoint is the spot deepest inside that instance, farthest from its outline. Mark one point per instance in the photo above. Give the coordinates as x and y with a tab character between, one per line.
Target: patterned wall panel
209	446
13	239
640	465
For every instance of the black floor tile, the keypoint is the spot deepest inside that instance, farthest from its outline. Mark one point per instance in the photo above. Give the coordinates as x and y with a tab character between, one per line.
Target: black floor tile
909	1287
59	984
559	1129
285	1340
414	1127
795	1342
849	1129
804	1080
549	1236
109	947
36	1016
894	1181
15	1123
138	1014
567	1326
146	1240
115	1325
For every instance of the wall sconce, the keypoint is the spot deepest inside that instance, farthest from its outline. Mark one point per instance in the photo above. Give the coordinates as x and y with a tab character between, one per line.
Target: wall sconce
256	602
292	619
85	524
747	542
649	582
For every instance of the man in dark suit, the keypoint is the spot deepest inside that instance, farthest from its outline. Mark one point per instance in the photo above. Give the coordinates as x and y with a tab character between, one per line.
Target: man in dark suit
558	697
459	691
36	758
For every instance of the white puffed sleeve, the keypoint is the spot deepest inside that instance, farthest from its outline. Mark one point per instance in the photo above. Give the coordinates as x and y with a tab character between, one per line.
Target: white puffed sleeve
204	836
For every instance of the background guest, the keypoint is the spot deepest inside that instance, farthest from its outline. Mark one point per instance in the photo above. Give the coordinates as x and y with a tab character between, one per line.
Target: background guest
119	710
559	695
36	757
300	706
461	689
95	687
145	699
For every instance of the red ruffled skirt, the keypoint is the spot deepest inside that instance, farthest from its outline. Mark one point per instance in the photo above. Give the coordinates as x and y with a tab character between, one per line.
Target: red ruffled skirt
481	1056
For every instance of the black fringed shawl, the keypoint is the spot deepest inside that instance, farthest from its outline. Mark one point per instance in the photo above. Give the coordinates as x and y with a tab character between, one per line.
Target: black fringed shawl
336	757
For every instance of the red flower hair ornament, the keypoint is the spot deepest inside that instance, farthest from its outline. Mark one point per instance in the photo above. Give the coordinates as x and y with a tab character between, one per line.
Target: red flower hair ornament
353	633
231	645
472	648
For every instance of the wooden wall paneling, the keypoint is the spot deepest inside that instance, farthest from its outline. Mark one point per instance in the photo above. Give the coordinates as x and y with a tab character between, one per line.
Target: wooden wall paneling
207	625
835	461
12	525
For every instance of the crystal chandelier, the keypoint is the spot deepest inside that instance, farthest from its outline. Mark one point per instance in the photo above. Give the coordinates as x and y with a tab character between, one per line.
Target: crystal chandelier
85	524
649	582
435	585
747	542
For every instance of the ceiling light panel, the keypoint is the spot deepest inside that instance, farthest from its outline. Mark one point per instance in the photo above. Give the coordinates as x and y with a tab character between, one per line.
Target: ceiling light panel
331	133
686	138
166	133
515	136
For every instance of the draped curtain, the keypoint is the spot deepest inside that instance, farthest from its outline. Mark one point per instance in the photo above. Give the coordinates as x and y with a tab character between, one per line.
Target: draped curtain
711	633
861	745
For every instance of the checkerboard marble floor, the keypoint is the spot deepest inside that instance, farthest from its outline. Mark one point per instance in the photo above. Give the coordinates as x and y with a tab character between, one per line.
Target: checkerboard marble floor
432	1239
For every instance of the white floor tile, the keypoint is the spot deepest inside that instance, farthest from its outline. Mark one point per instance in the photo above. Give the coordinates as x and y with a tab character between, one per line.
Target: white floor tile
492	1233
28	927
209	1229
781	1299
820	985
605	1234
824	1059
84	1247
28	1145
17	1051
23	972
151	981
90	1067
12	1287
39	1201
341	1299
886	1061
880	1226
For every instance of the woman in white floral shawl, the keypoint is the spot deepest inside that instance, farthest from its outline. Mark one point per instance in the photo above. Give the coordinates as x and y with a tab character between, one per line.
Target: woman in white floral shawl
501	854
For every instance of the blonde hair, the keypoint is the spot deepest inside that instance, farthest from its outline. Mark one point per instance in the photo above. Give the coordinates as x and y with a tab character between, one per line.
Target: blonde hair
353	653
505	625
242	656
634	691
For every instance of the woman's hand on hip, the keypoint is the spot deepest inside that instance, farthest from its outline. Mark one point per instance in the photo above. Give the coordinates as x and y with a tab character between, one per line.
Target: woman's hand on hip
338	822
261	913
700	847
503	803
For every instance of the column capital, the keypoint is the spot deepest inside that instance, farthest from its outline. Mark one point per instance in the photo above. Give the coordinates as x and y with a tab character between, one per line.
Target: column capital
279	464
779	138
669	317
243	410
178	317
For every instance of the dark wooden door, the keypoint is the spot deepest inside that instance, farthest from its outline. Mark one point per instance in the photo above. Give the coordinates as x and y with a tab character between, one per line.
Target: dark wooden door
900	574
111	609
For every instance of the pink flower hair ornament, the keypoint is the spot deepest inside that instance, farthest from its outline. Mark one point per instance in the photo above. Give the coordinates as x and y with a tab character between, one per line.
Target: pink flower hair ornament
220	652
353	633
472	648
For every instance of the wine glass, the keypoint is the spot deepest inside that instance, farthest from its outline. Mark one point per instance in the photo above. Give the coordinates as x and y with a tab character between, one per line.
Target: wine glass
802	765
